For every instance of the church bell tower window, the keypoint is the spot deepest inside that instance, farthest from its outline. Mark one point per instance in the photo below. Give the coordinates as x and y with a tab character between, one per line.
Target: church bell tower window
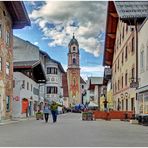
74	61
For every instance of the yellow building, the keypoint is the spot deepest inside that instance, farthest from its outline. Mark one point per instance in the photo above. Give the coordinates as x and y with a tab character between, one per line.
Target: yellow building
121	52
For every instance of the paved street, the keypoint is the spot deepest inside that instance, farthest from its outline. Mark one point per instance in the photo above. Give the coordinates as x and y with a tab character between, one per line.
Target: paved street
70	130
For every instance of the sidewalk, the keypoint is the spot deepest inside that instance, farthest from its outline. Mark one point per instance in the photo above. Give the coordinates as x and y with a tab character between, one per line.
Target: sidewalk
9	121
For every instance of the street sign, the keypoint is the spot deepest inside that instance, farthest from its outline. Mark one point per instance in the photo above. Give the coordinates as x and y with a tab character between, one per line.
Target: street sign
134	85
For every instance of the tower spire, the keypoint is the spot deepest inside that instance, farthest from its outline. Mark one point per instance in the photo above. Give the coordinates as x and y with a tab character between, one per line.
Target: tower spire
73	35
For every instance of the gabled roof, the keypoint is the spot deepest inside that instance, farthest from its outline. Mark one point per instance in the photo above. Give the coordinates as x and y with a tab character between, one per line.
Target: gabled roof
127	11
96	80
59	64
92	81
36	66
82	80
25	64
18	14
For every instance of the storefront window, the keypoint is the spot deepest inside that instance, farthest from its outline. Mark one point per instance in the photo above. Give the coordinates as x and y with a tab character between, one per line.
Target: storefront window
140	102
146	103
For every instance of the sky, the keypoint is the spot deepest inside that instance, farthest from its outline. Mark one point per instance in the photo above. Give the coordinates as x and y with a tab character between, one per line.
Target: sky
53	24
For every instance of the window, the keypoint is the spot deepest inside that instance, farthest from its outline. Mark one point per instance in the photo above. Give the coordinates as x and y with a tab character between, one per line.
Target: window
7	103
122	81
31	87
7	38
27	85
132	104
126	79
126	28
52	70
1	30
126	104
0	63
133	45
122	57
126	53
118	84
122	104
82	86
52	90
142	60
133	72
23	84
118	64
74	61
115	68
7	68
123	33
74	48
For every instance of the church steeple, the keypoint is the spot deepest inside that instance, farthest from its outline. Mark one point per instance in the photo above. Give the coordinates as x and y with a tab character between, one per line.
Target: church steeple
73	72
73	55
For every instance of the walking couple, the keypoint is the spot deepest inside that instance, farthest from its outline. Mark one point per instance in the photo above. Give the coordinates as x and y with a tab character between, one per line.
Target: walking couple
53	107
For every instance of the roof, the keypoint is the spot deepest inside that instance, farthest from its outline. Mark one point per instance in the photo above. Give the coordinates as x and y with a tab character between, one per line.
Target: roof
96	80
25	64
127	11
59	64
132	9
37	69
18	14
73	41
82	80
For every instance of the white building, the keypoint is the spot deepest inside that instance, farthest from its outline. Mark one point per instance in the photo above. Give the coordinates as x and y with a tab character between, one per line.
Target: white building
142	105
25	95
54	71
94	85
83	91
29	69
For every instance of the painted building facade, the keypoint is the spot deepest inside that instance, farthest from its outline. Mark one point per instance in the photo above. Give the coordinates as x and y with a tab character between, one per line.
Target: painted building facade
121	51
73	72
54	72
143	68
9	21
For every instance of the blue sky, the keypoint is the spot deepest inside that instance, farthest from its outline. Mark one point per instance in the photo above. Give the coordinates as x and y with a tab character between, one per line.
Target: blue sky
52	27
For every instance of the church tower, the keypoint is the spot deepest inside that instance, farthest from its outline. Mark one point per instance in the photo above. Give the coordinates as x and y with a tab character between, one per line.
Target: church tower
73	72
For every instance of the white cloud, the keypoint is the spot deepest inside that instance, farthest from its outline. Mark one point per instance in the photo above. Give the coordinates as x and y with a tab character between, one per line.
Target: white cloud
36	43
89	17
92	69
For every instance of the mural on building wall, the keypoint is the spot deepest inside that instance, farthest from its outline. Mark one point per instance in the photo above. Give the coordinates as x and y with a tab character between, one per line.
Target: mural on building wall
74	85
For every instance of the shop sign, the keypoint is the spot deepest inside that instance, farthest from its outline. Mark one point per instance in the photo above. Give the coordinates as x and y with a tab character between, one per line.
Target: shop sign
134	85
17	98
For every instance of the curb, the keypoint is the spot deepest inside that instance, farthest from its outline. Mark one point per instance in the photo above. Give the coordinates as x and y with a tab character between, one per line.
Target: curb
15	121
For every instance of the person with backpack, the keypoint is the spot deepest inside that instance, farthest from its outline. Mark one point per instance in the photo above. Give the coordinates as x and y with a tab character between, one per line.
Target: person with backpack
46	112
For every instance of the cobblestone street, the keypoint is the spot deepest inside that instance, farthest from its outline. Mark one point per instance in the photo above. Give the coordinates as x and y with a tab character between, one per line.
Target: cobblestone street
70	131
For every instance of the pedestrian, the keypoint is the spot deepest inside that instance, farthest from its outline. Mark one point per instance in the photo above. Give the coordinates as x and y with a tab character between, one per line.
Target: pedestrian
46	112
105	104
54	110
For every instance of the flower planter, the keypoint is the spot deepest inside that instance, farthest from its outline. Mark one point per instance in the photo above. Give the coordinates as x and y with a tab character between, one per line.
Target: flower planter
39	116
